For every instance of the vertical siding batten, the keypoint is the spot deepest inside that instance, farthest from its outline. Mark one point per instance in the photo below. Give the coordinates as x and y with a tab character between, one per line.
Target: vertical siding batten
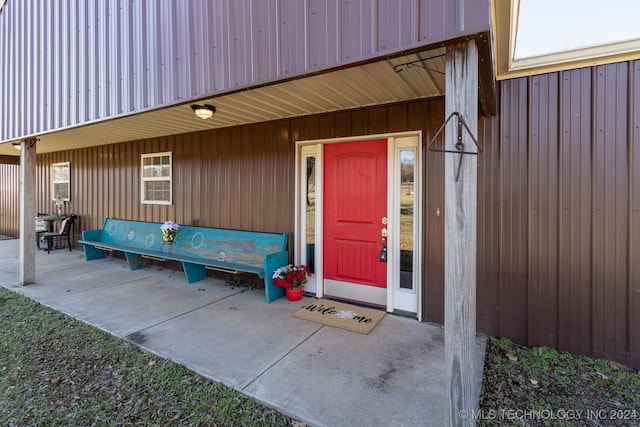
633	293
514	212
543	195
488	254
575	231
610	211
433	230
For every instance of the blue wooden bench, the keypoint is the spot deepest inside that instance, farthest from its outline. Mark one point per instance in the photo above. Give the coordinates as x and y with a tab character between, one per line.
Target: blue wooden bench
197	248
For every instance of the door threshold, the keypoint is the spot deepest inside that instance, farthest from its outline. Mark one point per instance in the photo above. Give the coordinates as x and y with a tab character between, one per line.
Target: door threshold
403	313
352	302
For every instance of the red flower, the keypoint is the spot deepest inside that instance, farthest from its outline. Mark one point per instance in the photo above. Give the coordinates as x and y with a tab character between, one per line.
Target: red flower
291	276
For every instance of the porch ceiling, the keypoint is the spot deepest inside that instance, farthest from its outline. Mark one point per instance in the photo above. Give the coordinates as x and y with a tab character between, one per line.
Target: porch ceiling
415	76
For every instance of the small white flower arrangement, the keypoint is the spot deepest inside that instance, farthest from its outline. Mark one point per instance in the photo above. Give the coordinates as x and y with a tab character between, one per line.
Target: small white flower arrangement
57	201
169	231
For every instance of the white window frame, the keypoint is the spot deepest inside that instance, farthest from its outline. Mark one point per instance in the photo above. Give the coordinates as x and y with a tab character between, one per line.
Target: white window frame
144	180
67	181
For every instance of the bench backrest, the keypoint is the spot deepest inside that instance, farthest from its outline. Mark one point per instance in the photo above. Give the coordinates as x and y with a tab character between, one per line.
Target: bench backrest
132	233
235	246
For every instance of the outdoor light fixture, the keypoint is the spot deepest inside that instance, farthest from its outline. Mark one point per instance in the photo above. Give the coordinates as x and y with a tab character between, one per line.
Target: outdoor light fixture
203	111
31	141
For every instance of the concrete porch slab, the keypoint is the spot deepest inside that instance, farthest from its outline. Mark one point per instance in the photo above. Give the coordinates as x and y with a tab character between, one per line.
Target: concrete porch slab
239	338
394	376
321	375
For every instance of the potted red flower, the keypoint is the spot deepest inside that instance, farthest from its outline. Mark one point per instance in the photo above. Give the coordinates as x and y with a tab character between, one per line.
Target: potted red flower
292	278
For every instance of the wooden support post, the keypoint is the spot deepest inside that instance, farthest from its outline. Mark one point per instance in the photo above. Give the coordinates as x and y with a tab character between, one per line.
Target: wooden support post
28	211
460	235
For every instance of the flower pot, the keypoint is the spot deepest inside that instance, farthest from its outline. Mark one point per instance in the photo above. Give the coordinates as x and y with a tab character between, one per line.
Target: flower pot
294	294
168	236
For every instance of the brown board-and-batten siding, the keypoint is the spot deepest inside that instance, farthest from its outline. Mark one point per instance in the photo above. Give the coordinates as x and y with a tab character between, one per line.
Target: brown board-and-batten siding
239	177
558	199
9	196
569	233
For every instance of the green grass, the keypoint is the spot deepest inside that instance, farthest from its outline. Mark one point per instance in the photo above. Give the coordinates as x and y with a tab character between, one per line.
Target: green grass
541	386
56	370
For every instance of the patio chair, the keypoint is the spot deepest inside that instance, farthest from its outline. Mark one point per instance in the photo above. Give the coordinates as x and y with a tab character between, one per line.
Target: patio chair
64	233
41	228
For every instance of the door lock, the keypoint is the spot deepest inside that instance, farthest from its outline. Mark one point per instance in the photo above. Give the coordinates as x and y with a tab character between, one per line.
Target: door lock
383	255
384	232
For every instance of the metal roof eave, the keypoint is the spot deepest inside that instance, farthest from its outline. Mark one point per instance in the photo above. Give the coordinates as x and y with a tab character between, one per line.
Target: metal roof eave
336	90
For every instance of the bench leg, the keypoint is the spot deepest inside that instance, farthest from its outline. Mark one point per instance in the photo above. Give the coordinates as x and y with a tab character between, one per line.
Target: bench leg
136	261
194	272
91	253
271	263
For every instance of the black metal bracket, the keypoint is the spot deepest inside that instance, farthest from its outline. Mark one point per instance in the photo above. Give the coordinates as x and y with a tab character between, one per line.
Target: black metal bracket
459	144
417	63
30	141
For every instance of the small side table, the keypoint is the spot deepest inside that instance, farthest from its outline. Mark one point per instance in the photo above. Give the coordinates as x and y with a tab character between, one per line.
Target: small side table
49	221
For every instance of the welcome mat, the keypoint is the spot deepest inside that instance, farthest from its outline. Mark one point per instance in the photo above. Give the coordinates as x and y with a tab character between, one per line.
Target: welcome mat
340	315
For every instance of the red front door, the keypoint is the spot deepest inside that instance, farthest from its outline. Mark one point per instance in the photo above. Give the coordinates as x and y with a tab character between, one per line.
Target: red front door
355	206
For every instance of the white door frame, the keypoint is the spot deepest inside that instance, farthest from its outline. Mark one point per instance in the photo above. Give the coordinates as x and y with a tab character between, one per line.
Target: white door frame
397	299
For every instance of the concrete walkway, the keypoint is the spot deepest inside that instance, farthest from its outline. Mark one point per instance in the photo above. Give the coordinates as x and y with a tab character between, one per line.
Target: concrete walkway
323	376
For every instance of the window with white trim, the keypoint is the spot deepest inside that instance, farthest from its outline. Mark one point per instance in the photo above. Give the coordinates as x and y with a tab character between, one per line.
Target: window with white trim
157	173
60	181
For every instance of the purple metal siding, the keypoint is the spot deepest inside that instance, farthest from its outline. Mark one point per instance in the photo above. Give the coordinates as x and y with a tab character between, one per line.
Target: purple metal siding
322	22
292	41
398	23
241	44
264	38
67	62
356	30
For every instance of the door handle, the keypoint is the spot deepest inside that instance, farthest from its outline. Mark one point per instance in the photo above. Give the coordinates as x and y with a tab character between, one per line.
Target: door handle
383	252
